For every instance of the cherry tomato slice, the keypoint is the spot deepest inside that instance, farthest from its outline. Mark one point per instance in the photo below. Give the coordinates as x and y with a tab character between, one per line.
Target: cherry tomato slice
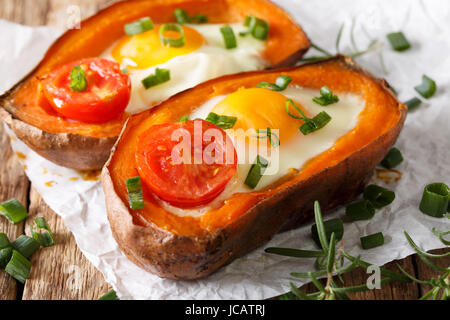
188	163
105	97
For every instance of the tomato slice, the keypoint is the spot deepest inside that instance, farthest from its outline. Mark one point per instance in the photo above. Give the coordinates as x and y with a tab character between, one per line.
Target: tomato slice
105	98
187	164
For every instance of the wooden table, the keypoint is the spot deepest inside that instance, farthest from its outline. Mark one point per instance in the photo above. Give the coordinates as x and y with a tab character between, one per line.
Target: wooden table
61	271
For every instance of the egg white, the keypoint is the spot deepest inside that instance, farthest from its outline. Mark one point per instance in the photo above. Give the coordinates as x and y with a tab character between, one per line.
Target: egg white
293	154
186	71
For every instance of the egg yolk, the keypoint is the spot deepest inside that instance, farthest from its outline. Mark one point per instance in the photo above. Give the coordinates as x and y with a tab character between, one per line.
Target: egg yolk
146	49
259	108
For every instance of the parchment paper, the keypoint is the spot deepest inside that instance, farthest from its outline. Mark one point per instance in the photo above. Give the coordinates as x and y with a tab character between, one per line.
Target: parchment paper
424	143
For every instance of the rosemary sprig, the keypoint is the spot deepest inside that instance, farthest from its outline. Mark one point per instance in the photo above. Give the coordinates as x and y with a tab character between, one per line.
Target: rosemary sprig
330	262
441	284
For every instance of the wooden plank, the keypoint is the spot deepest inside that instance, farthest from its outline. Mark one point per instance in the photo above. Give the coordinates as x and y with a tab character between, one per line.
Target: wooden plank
61	271
13	183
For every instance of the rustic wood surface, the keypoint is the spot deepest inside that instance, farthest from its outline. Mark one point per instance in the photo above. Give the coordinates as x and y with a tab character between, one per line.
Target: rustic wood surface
61	271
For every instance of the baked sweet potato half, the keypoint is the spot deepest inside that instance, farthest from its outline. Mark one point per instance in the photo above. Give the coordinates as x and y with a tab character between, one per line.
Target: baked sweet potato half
188	247
85	146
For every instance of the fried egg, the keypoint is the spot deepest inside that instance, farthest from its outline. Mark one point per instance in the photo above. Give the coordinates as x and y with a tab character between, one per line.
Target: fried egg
259	108
203	57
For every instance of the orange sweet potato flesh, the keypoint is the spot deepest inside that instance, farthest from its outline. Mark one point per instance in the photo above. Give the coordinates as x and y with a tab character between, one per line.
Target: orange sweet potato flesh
286	44
195	247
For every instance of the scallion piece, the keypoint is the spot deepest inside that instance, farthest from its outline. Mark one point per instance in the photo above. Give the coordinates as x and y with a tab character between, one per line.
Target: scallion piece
184	118
427	88
160	76
5	256
412	103
379	196
172	42
326	97
26	245
78	80
316	123
256	172
435	199
110	295
228	37
330	226
392	159
18	267
361	210
280	84
4	241
224	122
135	195
398	41
182	17
139	26
13	210
258	28
372	241
45	238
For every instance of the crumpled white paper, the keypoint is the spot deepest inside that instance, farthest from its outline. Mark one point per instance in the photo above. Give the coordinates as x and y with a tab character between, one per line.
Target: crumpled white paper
424	143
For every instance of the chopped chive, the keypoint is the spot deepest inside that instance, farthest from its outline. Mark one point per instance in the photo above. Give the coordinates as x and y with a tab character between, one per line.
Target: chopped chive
326	97
135	195
256	172
182	17
361	210
372	241
26	245
4	241
335	226
318	122
310	125
110	295
281	83
273	138
398	41
18	267
160	76
258	28
224	122
379	196
184	118
392	159
427	88
78	79
228	37
413	103
139	26
5	256
45	238
124	70
172	42
435	199
13	210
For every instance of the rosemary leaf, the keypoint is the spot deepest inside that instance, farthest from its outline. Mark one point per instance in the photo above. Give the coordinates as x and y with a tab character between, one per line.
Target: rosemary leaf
289	252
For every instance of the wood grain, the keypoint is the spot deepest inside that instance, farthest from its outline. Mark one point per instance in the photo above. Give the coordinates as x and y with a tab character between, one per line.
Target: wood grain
61	271
13	183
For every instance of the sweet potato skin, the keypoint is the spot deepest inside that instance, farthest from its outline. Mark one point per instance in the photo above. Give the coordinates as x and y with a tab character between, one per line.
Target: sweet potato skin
87	147
190	257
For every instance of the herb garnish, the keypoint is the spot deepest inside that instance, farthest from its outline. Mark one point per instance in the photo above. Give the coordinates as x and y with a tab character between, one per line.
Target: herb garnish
326	97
